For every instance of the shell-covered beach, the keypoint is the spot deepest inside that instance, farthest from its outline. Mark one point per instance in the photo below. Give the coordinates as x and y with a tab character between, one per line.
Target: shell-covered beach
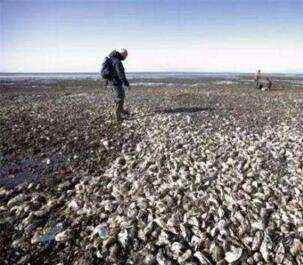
208	170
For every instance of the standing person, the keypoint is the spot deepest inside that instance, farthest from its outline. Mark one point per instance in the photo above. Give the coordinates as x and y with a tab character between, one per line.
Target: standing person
258	79
114	68
258	75
269	83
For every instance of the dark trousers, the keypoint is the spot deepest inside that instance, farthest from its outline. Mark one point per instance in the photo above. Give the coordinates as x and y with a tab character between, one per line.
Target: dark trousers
119	98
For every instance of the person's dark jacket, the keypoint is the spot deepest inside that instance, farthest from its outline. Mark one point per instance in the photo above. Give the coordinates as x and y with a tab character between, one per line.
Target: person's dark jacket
119	72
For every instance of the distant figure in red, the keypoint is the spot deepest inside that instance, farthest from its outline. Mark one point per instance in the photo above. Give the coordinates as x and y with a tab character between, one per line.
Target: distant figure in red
269	83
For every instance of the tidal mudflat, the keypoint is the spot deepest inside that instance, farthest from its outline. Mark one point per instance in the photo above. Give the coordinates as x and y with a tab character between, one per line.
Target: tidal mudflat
208	170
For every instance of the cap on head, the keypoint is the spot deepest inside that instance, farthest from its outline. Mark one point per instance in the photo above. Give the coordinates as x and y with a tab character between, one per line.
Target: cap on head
124	53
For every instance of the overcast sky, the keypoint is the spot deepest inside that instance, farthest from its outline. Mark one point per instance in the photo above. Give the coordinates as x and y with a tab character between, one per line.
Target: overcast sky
74	36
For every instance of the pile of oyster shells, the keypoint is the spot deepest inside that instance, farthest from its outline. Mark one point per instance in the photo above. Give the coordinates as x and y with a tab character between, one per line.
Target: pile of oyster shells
185	193
181	196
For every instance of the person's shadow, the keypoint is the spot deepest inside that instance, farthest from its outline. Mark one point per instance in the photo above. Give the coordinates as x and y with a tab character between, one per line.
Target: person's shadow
182	110
170	111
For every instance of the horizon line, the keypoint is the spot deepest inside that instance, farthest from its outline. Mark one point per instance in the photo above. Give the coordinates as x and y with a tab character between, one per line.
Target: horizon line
155	71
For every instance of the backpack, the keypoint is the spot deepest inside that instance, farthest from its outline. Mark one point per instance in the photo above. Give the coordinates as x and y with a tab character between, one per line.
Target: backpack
107	69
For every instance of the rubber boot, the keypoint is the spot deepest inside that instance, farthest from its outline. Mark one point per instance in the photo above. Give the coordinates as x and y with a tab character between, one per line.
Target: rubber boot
119	109
125	112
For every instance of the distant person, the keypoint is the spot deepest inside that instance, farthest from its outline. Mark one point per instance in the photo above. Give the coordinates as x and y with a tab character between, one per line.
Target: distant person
258	82
269	83
258	75
113	71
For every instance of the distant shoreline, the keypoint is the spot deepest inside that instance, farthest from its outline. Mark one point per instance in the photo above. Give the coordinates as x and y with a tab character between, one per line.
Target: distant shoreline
149	72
